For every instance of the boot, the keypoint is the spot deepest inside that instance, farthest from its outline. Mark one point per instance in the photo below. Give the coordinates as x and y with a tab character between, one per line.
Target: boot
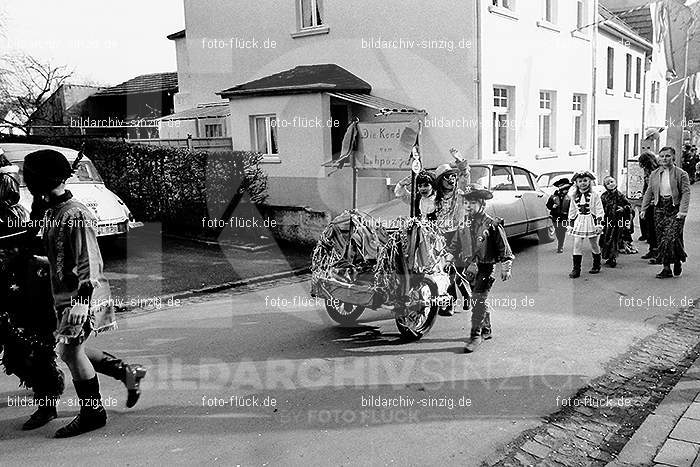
44	414
92	415
130	375
473	343
611	262
486	332
596	264
576	271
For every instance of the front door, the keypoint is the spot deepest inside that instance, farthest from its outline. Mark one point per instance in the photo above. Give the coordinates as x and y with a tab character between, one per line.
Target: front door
606	160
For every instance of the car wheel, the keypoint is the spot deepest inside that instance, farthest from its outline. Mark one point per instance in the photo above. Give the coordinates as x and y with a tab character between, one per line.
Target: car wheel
546	235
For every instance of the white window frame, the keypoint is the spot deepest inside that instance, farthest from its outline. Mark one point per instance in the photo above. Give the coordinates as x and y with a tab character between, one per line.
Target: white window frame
628	73
580	14
502	96
505	4
549	11
316	5
610	69
268	118
578	111
218	126
547	102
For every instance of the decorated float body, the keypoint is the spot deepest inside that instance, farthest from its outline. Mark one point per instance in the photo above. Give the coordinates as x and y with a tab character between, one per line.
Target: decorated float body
359	264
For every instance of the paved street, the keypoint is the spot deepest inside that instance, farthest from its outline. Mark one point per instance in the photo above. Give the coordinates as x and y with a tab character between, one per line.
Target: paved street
210	356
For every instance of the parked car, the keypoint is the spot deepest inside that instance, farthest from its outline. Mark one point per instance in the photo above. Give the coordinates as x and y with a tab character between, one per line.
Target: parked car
545	181
113	216
516	199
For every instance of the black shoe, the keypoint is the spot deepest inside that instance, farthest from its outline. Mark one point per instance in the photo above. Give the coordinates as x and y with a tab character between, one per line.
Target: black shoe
677	269
654	261
134	375
41	417
449	311
664	274
486	333
642	238
88	420
650	254
611	262
596	264
560	250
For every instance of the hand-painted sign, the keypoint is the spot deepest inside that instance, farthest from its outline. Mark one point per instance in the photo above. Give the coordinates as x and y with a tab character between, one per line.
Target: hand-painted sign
385	145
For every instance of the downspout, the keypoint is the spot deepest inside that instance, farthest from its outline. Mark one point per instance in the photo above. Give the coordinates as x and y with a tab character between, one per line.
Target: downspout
479	84
594	106
642	136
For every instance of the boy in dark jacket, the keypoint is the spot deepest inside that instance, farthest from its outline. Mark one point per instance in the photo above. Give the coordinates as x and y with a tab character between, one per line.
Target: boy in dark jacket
477	247
558	205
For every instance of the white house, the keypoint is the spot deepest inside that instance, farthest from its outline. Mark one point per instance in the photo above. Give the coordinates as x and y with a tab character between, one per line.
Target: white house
512	79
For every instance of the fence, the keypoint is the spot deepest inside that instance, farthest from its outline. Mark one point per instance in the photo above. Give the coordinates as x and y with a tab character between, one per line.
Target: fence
203	144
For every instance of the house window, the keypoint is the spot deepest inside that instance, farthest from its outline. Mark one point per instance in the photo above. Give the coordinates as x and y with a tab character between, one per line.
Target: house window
626	149
611	68
310	13
549	10
500	121
635	148
546	115
638	84
579	116
509	4
655	92
265	129
580	14
628	83
215	130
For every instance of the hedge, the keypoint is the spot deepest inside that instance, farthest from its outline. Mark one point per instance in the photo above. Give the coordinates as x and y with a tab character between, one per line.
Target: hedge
176	186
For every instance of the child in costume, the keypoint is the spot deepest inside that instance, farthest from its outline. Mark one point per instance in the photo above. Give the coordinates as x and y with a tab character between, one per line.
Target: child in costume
618	212
477	247
585	220
81	295
424	207
558	205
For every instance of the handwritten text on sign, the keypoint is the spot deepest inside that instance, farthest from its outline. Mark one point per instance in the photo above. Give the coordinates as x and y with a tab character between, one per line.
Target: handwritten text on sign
385	145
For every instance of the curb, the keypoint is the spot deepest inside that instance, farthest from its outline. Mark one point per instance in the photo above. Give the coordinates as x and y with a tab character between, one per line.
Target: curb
218	288
253	249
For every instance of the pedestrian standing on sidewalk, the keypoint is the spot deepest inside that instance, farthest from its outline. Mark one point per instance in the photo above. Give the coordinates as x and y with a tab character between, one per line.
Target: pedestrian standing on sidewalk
478	246
585	220
450	213
648	163
81	294
558	205
669	193
618	212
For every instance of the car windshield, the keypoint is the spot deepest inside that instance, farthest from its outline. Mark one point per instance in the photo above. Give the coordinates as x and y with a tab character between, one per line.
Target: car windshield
479	174
85	173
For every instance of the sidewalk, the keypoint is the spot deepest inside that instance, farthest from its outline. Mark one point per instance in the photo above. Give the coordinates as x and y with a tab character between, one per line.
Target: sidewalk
670	435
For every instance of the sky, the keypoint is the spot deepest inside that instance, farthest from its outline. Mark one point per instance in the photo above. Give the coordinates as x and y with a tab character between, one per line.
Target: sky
104	42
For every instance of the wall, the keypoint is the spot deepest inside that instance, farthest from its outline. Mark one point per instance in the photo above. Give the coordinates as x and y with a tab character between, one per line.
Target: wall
520	54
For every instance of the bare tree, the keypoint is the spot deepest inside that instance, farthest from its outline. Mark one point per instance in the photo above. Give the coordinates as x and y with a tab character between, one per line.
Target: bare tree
25	83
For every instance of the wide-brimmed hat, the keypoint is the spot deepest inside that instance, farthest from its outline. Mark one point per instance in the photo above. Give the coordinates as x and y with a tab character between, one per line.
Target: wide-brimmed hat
561	182
582	174
445	169
474	192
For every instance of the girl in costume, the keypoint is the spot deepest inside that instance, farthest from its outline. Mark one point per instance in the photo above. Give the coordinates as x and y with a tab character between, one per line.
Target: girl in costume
585	220
618	212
